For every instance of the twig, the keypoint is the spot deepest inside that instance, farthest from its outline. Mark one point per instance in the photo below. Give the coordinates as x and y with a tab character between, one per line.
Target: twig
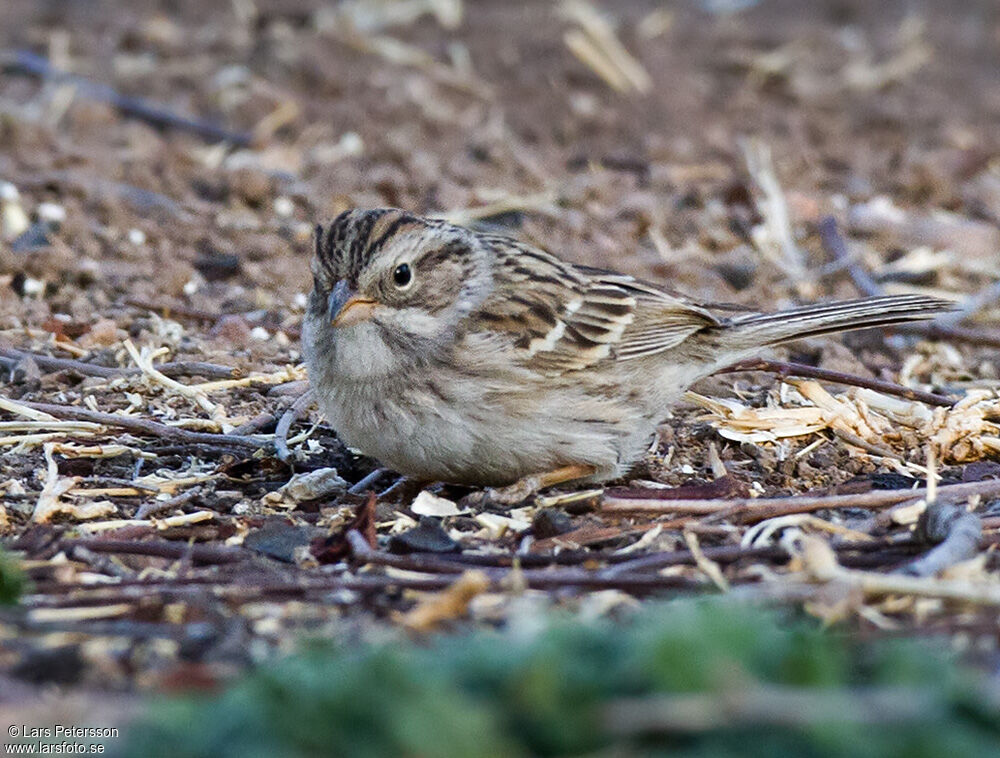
773	207
534	578
750	510
942	328
718	554
147	427
171	311
288	418
935	331
253	588
212	554
820	565
256	424
784	369
27	62
836	248
147	509
360	486
972	305
179	368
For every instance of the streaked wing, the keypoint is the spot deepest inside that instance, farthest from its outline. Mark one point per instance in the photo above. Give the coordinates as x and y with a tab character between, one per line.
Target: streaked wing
563	318
661	320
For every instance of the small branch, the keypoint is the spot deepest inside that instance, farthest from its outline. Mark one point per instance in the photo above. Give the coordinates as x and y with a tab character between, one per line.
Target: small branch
820	565
159	506
256	424
751	510
718	554
784	369
942	328
211	554
27	62
936	331
180	368
366	482
249	587
534	578
289	417
147	427
836	248
167	310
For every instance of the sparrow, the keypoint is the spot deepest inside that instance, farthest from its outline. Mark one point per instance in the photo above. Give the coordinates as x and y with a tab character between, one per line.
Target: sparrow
456	356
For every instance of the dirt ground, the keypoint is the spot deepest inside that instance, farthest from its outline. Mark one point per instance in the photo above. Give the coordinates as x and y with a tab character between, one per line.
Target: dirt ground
706	158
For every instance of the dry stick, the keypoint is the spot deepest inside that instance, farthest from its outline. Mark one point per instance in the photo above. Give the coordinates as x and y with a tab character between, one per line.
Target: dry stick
534	578
734	553
27	62
213	554
147	427
226	588
175	311
784	369
620	563
718	554
934	331
288	418
363	484
258	422
835	246
159	506
178	368
750	510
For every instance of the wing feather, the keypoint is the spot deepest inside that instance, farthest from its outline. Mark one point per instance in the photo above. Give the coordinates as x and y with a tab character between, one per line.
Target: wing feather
561	317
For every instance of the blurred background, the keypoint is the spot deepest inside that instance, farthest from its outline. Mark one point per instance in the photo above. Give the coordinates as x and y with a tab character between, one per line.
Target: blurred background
649	136
163	164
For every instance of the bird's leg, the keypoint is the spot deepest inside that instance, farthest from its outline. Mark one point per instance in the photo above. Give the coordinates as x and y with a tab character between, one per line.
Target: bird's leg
527	486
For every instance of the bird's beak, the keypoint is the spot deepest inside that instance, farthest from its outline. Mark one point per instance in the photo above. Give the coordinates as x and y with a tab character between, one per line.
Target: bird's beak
346	307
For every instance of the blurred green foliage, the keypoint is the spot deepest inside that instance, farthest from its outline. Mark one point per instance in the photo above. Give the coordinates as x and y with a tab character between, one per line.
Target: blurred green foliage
12	580
502	694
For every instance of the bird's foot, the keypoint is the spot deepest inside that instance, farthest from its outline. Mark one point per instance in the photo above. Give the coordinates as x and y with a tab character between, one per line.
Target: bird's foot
528	486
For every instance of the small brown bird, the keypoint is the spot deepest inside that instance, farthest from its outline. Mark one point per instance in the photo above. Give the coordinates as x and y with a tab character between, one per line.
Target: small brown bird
472	358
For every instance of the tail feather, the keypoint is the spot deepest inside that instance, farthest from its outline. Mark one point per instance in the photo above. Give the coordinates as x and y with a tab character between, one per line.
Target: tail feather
763	329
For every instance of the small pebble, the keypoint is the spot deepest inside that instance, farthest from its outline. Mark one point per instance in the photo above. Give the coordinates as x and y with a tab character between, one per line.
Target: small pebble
284	207
51	213
137	237
32	287
550	522
427	537
32	238
251	185
13	220
233	329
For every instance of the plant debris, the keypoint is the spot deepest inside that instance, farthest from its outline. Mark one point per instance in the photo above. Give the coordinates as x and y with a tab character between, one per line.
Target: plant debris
174	509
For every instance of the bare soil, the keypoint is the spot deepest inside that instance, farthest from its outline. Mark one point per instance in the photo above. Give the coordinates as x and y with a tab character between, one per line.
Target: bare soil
883	115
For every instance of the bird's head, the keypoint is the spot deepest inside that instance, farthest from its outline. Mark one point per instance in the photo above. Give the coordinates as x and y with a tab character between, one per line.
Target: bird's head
388	286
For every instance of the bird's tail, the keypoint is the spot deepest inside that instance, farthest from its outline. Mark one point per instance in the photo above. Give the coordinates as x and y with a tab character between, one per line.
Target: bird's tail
762	329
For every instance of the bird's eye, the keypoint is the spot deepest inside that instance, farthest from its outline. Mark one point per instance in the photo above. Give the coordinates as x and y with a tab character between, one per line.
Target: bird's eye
402	276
